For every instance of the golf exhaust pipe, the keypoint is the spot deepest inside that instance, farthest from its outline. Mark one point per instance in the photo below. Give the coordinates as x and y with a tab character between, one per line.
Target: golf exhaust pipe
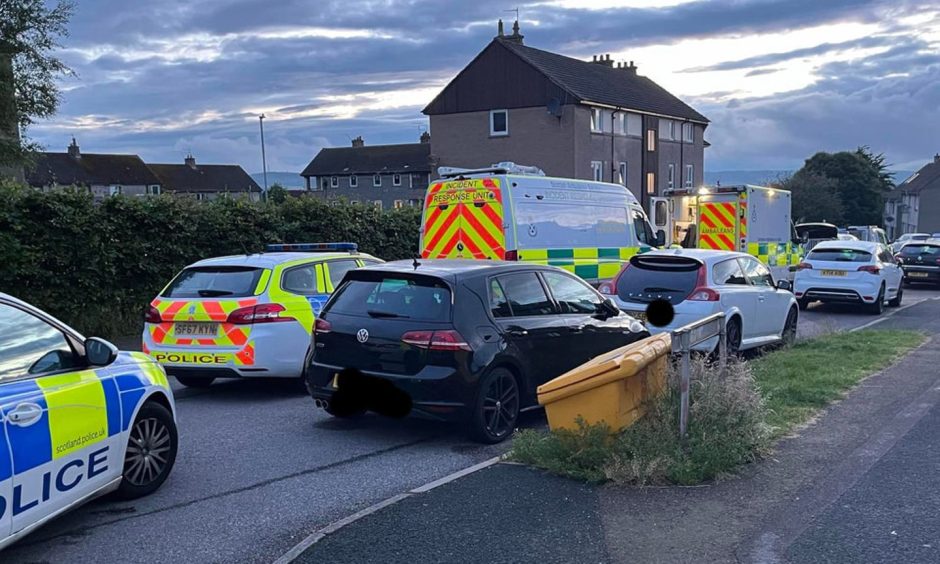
322	404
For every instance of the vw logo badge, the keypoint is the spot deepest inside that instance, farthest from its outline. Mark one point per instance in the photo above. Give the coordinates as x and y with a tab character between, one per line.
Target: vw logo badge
362	336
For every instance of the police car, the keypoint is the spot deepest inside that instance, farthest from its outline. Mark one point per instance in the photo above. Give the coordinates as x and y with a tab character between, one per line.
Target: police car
80	420
246	315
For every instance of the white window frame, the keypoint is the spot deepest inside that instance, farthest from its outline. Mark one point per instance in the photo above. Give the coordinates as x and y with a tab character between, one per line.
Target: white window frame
414	202
597	171
671	176
377	204
115	190
398	204
689	175
154	190
637	120
597	120
622	170
324	183
353	181
396	179
493	132
688	132
334	181
202	197
376	180
411	180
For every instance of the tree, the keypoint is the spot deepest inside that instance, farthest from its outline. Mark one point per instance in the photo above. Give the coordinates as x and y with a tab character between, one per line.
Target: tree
29	33
814	198
276	194
860	179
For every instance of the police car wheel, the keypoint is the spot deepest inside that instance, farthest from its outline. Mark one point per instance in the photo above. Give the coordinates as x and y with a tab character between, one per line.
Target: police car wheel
151	451
195	381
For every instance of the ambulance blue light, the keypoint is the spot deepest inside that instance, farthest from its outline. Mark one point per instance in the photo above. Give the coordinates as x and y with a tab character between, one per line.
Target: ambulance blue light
311	247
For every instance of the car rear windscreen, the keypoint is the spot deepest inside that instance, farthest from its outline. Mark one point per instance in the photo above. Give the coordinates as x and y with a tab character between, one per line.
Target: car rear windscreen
647	279
391	297
839	255
214	282
920	250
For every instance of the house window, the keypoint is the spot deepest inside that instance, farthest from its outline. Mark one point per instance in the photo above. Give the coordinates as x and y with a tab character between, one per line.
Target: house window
667	130
398	204
634	124
376	180
353	181
377	204
334	182
623	173
325	183
396	180
689	173
650	140
414	202
597	168
499	122
671	177
597	120
354	202
153	190
411	181
650	182
688	133
115	190
202	196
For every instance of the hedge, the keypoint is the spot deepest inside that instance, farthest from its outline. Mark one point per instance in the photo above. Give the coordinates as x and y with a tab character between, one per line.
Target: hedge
96	265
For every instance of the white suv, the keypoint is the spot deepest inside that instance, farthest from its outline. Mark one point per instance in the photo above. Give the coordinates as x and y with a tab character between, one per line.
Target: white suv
859	272
699	283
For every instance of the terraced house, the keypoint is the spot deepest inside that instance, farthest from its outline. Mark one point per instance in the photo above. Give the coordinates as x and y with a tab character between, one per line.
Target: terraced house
572	118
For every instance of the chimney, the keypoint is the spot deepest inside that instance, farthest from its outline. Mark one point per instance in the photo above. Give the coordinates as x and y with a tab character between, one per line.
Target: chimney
190	161
631	68
73	150
936	158
358	142
516	37
499	28
603	60
425	137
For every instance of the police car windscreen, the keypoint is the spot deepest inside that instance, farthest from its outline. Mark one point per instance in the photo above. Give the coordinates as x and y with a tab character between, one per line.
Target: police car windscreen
650	278
839	255
420	299
214	281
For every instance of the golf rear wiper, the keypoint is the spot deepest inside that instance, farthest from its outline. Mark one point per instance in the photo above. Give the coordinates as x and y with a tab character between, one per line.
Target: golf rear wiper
214	293
388	314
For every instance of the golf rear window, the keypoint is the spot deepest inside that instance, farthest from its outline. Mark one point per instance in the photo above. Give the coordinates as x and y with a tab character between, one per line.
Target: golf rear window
839	255
650	278
214	282
920	250
391	297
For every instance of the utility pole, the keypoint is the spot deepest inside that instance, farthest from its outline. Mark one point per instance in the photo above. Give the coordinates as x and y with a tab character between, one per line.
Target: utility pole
264	162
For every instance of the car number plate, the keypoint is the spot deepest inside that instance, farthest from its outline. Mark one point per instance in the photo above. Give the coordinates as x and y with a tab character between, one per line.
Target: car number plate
918	274
638	315
833	273
196	329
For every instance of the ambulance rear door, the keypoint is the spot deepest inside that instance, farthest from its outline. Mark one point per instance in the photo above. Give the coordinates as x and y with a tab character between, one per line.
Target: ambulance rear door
463	218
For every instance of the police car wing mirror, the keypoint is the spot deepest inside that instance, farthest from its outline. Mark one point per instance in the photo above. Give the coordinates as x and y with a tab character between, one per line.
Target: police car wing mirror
99	352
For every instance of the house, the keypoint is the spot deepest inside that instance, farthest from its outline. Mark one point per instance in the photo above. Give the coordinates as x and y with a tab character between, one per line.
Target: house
389	176
582	119
104	175
914	205
206	182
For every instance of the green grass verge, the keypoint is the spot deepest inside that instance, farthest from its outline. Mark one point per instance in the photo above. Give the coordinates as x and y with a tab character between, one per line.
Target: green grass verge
798	381
734	417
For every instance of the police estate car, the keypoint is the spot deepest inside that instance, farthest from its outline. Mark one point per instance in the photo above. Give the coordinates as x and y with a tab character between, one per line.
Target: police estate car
80	420
246	315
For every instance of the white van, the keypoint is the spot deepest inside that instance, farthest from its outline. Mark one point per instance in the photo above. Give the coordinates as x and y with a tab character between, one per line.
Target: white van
509	212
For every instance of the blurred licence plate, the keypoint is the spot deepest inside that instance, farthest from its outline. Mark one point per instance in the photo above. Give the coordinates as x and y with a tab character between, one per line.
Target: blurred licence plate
833	273
196	329
918	274
638	315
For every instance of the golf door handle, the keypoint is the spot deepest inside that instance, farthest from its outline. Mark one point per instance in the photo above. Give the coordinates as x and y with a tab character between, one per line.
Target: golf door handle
516	331
25	414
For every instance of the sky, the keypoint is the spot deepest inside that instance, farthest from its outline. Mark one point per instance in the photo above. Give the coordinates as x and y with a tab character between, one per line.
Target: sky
778	79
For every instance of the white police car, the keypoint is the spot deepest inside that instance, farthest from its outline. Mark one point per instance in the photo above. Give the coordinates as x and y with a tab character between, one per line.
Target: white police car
80	420
246	315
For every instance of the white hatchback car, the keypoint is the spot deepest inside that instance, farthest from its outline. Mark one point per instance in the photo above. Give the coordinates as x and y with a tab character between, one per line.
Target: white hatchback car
699	283
859	272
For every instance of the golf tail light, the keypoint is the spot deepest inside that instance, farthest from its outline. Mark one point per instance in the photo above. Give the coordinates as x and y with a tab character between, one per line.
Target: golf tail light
448	340
322	326
262	313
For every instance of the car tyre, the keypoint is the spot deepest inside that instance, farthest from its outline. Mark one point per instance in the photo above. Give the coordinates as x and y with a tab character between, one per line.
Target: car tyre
789	328
496	409
195	381
151	451
896	301
878	307
733	335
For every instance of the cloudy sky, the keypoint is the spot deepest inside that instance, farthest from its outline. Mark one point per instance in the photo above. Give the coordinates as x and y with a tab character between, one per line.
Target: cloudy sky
779	79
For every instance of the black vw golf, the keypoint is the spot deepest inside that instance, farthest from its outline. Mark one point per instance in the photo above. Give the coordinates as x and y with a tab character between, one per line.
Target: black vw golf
457	340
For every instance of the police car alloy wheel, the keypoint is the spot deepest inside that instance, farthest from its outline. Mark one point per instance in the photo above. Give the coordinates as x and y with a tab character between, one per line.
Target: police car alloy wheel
151	451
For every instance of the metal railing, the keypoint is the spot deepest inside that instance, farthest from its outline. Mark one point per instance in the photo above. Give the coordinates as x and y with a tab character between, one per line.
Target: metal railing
683	339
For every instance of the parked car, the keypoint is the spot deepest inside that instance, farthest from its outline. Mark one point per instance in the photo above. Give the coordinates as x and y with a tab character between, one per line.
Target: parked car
870	233
458	340
699	282
80	420
847	237
920	261
908	238
859	272
813	233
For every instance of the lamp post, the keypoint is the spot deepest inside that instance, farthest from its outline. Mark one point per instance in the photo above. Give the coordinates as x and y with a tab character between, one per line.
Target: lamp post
264	162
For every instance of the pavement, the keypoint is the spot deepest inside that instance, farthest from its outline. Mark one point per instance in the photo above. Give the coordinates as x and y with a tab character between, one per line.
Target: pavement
260	469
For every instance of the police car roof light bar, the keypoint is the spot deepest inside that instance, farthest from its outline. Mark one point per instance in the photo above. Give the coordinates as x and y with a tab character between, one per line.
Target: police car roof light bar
311	247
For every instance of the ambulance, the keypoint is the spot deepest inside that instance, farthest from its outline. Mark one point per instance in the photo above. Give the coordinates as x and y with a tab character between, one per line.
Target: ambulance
516	213
745	218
